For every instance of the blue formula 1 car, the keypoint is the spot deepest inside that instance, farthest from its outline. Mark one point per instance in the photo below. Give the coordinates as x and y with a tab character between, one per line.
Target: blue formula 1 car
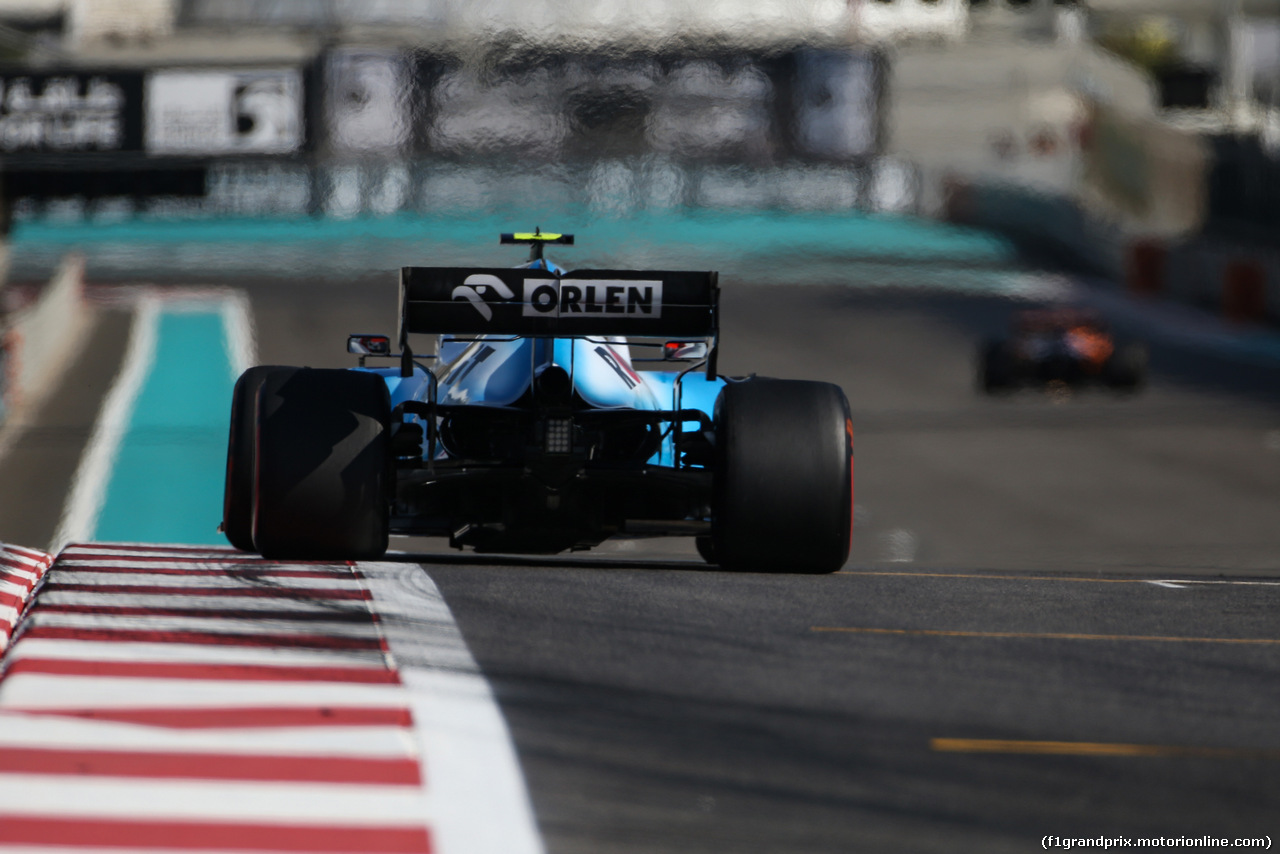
535	429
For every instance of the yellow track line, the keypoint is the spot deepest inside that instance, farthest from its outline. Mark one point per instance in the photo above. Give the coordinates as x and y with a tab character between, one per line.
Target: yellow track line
864	630
1088	748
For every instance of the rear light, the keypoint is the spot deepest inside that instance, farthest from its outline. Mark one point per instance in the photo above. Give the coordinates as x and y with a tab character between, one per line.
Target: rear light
559	436
684	350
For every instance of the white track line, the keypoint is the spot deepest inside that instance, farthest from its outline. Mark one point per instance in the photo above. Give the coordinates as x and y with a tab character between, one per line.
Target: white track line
479	804
237	320
80	516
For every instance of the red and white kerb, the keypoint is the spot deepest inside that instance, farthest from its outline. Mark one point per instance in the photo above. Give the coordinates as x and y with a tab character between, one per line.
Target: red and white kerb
198	699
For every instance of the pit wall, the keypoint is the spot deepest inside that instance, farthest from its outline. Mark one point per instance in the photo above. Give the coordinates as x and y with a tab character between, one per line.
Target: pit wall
1236	279
1160	209
1239	281
21	572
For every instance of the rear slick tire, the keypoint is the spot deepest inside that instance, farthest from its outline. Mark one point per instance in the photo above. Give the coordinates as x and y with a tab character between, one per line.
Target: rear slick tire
242	440
783	482
324	469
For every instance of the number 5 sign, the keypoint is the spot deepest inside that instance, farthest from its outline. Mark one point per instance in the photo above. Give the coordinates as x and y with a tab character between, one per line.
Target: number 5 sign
224	112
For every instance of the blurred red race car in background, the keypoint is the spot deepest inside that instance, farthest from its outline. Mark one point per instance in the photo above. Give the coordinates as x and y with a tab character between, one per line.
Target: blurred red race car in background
1054	347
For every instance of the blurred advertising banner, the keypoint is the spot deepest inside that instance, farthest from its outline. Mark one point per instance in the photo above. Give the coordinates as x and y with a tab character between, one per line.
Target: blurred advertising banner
1151	175
224	111
810	104
71	112
703	109
367	101
191	131
837	103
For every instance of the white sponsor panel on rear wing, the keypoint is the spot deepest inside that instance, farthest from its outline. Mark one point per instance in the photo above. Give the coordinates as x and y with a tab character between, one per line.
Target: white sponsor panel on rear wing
556	298
520	301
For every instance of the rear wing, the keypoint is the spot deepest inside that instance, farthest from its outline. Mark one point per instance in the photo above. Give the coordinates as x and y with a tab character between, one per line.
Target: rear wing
538	303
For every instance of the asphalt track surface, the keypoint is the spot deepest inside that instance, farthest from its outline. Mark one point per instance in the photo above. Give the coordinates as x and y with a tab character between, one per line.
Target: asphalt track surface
1059	617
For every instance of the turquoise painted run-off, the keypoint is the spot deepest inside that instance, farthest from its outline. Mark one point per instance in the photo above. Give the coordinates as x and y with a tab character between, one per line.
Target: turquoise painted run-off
722	240
166	485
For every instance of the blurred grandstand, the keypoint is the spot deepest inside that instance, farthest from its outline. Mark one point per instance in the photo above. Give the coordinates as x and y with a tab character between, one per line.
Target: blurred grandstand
1138	139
